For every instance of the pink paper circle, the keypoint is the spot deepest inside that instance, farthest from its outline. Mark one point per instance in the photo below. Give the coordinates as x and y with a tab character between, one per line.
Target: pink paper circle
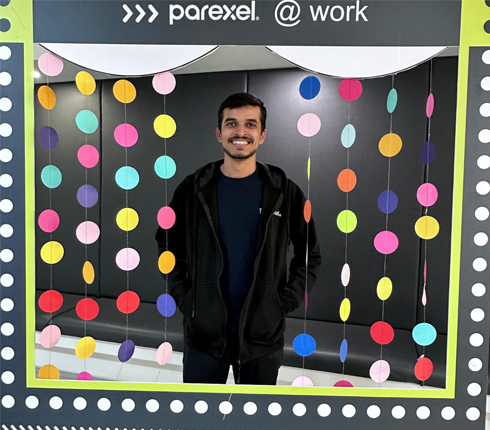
166	217
126	135
427	194
85	376
309	124
50	336
343	383
429	108
302	381
88	232
380	371
88	156
127	259
50	64
164	83
386	242
48	220
164	352
350	89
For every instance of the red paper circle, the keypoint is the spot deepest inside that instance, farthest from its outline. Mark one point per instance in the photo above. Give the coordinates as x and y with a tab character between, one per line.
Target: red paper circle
382	333
87	309
350	89
423	369
50	301
343	383
307	211
128	302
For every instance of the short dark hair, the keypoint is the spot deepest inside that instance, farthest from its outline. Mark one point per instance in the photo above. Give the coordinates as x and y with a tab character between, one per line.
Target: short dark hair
242	99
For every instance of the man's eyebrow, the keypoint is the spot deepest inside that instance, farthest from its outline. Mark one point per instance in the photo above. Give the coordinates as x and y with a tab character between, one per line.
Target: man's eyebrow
230	119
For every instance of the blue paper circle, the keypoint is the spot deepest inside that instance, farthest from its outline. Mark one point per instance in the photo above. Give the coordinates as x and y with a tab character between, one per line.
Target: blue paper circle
343	350
348	136
391	100
126	350
387	202
428	152
166	305
309	87
127	178
304	345
51	176
87	196
165	167
424	334
86	121
48	137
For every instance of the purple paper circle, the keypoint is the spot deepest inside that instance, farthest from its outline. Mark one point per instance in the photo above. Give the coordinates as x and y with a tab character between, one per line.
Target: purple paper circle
87	196
48	137
428	152
387	201
166	305
386	242
126	350
427	194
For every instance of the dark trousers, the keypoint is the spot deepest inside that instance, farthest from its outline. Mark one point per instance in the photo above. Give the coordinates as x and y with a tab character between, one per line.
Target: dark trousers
201	368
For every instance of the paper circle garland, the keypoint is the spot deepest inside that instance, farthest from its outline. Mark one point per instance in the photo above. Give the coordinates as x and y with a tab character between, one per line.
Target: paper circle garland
343	350
382	333
50	64
48	137
423	369
126	350
124	91
348	136
127	219
88	272
46	97
350	89
51	176
427	227
347	180
52	252
50	336
127	178
309	87
86	121
346	221
127	259
87	196
304	345
164	83
85	347
88	232
165	167
302	381
166	217
165	126
309	125
424	334
128	302
48	220
384	288
84	376
164	353
386	242
85	83
380	371
50	301
88	156
390	145
166	262
87	309
387	202
48	371
166	305
126	135
427	194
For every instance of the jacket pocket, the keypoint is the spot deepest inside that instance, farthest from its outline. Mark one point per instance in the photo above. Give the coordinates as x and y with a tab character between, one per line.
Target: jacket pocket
186	306
265	316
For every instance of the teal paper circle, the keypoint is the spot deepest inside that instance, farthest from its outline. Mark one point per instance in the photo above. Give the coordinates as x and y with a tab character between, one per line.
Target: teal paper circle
165	167
86	121
392	100
348	136
51	176
424	334
127	178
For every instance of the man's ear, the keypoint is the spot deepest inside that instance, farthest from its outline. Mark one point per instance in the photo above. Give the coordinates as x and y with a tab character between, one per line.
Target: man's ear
262	137
218	134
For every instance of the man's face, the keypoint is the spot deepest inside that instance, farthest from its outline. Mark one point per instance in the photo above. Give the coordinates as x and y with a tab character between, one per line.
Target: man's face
241	132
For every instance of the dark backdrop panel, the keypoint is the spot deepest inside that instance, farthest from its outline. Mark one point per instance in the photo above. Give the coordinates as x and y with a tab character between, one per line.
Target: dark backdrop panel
67	274
285	147
194	105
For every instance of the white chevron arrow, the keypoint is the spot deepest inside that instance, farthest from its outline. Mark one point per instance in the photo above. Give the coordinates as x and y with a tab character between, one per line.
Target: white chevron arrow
129	13
142	13
154	13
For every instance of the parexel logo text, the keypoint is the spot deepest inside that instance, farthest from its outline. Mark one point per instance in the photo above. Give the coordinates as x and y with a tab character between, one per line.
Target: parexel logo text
214	12
287	13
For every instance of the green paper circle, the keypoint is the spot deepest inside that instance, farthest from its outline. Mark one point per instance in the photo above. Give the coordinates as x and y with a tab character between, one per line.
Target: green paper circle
51	176
165	167
86	121
127	178
346	221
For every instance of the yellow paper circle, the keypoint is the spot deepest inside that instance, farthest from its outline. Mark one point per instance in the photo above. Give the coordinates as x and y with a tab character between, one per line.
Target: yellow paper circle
345	310
390	145
309	166
127	219
166	262
165	126
85	83
46	97
48	371
427	227
85	347
385	287
124	91
52	252
88	272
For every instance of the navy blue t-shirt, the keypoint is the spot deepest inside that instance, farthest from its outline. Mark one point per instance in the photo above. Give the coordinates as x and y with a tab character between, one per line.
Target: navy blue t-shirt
239	206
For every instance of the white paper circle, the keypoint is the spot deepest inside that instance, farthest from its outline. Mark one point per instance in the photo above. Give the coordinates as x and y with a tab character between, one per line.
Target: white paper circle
7	280
6	255
225	407
398	412
477	315
104	404
7	329
32	402
152	405
423	412
6	155
484	136
373	411
201	407
483	188
176	406
8	401
486	57
274	409
5	79
5	129
485	83
476	340
484	109
7	304
7	353
8	377
6	230
250	408
480	239
6	180
299	409
348	411
128	405
324	410
479	264
475	364
483	162
5	53
473	414
56	402
5	104
474	389
6	205
478	290
79	403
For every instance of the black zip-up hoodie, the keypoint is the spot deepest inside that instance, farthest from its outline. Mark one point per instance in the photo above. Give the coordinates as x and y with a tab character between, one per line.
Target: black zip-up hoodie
194	282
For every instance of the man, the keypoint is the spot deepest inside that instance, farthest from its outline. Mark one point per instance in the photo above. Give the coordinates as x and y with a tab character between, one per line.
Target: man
234	221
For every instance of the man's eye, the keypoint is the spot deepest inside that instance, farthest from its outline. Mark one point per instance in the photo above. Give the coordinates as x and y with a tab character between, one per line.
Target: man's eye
231	124
252	124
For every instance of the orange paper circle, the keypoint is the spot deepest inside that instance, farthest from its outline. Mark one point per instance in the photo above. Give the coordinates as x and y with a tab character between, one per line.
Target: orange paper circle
46	97
390	145
124	91
166	262
307	211
48	371
347	180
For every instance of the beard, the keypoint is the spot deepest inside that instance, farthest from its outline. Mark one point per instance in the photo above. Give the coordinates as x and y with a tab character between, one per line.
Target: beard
241	156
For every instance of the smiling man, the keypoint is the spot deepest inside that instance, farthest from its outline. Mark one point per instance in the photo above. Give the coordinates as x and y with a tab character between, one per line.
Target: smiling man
235	219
